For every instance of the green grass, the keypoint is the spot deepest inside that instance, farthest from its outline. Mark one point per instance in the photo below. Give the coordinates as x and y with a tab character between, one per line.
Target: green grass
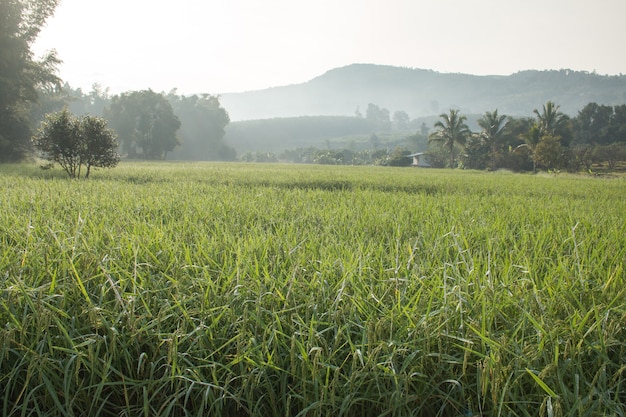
278	290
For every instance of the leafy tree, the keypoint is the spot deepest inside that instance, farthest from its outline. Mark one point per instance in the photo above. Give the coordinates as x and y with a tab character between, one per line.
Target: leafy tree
145	123
20	74
401	120
531	141
549	153
418	141
591	125
609	154
100	144
582	157
378	117
617	127
72	142
50	100
450	130
203	122
398	158
476	153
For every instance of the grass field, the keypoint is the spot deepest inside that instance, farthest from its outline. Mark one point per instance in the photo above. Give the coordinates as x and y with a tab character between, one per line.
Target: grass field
279	290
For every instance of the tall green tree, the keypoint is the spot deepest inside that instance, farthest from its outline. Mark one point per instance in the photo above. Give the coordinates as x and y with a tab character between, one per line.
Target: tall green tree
493	127
592	124
21	74
553	122
145	122
531	138
401	120
378	117
203	122
549	153
450	131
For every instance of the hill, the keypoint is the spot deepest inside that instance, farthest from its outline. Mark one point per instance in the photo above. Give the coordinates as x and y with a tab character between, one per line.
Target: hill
419	92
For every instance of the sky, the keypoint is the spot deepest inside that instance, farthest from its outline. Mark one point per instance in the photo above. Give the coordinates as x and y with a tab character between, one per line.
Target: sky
225	46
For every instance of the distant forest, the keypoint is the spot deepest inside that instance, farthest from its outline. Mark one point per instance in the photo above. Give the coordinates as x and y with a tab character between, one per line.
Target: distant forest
549	140
372	135
185	127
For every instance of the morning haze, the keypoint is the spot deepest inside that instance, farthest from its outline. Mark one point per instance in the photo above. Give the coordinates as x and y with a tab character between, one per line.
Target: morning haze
420	92
245	45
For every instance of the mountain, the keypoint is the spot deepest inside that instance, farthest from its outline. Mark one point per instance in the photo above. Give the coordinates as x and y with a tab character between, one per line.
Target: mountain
343	91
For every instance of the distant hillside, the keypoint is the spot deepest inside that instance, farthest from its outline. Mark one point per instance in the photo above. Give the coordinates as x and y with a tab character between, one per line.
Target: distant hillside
419	92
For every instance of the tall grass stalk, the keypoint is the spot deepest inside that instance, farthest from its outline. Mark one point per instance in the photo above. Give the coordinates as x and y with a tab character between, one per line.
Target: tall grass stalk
277	290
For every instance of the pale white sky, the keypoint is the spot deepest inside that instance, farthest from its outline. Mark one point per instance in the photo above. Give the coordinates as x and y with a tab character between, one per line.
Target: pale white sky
221	46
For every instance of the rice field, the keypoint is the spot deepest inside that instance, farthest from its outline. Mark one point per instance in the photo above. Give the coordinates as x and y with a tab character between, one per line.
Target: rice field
170	289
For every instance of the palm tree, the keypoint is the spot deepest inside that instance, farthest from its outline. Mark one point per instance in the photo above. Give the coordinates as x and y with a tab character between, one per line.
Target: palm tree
493	130
550	120
493	127
450	130
531	140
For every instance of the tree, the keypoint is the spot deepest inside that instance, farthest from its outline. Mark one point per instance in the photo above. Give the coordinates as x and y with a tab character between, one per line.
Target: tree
203	122
100	144
378	117
20	74
531	139
549	153
493	129
145	123
399	158
401	120
450	130
552	122
592	124
476	153
72	142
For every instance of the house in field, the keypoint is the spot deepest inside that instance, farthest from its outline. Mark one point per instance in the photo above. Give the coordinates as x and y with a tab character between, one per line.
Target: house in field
420	159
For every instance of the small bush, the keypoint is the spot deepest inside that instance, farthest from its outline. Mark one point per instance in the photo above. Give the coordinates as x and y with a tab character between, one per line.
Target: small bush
73	142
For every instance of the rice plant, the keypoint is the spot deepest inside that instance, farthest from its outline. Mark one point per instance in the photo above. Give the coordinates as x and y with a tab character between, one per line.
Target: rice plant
279	290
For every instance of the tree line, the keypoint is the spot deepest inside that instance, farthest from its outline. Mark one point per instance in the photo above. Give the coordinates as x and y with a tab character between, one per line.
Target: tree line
146	124
549	140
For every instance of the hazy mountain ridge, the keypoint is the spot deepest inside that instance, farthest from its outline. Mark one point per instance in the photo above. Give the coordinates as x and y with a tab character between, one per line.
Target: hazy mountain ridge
419	92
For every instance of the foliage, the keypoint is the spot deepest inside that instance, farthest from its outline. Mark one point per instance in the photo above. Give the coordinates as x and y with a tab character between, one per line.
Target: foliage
401	120
549	153
600	124
398	158
552	122
20	73
145	123
377	117
493	134
609	154
100	144
451	130
72	142
203	122
476	155
278	134
265	290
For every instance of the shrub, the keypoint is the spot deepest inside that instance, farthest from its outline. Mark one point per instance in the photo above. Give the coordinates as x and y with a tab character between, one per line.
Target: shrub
73	142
